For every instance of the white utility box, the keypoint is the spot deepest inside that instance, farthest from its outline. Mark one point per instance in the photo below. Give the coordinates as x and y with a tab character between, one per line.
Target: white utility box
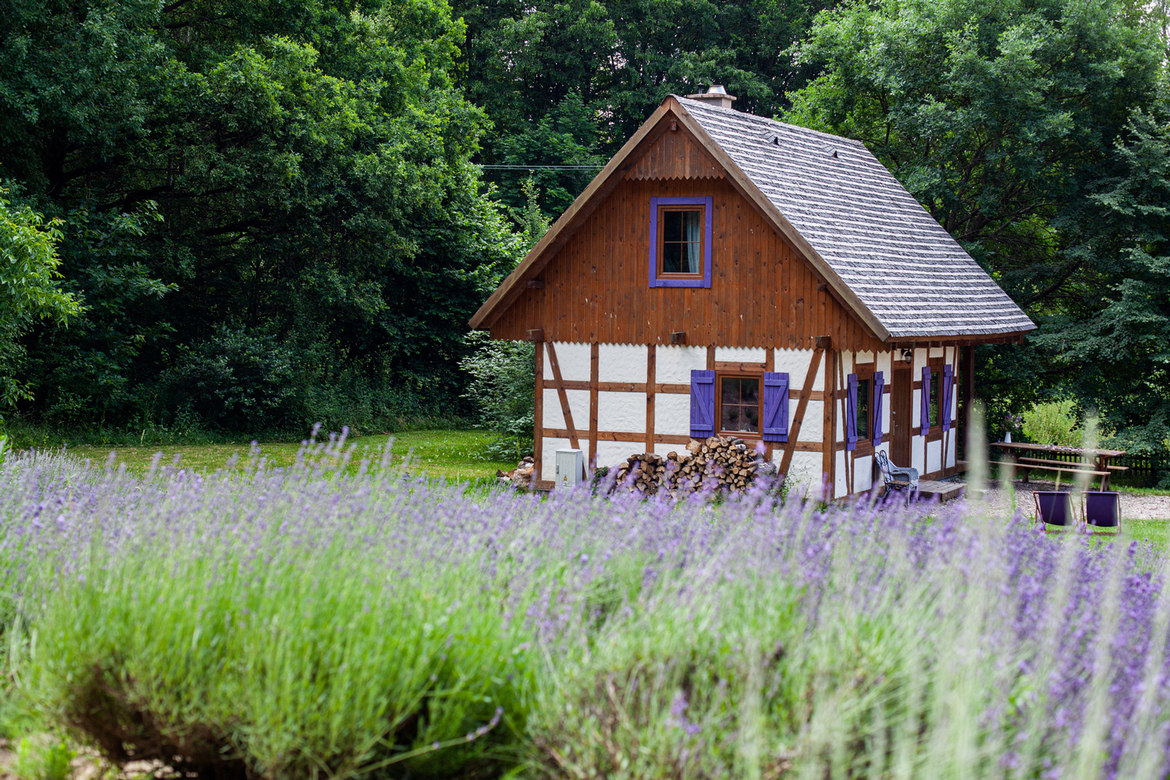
570	467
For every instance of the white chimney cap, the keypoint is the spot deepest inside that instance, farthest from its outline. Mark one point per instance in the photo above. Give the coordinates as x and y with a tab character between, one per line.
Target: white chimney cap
715	95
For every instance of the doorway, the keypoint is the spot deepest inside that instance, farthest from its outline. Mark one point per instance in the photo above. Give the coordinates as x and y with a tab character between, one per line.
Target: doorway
901	420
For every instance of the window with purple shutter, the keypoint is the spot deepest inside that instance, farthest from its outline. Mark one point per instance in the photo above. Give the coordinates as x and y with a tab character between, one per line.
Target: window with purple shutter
925	397
944	411
702	404
851	413
775	426
879	389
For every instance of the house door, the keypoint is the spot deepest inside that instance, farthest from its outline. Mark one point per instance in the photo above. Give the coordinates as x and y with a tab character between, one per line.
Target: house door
901	406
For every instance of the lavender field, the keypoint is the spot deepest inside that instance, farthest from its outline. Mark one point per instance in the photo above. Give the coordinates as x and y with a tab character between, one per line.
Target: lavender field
322	621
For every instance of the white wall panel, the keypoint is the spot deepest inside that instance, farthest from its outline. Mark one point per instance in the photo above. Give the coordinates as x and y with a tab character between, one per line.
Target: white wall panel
841	484
622	363
863	479
672	414
611	453
846	360
666	449
813	427
554	417
805	469
933	456
740	354
795	362
621	412
673	365
572	358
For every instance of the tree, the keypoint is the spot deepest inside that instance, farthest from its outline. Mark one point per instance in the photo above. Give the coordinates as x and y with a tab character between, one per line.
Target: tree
1002	120
29	288
280	174
1115	348
566	82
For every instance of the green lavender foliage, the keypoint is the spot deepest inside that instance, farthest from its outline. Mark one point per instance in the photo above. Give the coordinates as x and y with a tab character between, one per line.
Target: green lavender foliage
314	621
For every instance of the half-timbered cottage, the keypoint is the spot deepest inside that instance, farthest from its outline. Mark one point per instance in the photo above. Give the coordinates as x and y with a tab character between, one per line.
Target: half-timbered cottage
727	274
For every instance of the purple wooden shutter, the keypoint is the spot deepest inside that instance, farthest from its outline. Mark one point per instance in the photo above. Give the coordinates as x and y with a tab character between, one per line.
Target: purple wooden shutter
775	426
851	413
879	390
702	404
944	411
925	400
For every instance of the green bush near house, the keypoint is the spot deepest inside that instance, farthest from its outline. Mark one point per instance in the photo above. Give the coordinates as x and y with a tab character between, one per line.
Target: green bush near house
1052	423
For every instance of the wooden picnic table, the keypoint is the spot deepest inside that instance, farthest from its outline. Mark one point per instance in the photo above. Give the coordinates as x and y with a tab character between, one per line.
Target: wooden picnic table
1070	460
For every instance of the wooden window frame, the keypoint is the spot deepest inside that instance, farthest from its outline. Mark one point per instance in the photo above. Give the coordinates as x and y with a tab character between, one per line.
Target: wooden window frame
935	432
718	423
865	372
657	206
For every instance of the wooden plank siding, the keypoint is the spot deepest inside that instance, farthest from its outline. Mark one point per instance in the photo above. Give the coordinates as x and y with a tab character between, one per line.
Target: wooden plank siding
596	286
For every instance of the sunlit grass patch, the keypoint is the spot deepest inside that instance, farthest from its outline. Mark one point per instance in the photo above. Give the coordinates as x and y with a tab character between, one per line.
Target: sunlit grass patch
448	454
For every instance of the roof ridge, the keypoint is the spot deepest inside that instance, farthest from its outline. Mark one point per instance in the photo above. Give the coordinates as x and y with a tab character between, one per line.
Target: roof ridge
741	115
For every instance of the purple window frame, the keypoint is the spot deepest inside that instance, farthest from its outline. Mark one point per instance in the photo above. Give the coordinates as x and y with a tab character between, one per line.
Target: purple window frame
707	202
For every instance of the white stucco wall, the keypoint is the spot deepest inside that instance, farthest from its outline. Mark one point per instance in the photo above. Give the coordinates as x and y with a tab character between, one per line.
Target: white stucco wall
741	354
573	360
621	363
626	411
554	416
805	469
672	414
673	365
796	362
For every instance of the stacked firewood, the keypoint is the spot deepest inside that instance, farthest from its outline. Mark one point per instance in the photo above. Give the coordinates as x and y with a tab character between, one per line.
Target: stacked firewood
521	476
714	464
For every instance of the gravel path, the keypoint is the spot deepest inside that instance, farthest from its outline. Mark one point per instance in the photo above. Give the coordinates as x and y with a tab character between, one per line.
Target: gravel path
1134	506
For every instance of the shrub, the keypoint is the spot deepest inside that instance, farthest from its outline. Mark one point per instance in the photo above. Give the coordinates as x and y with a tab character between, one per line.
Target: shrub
236	380
503	388
1052	423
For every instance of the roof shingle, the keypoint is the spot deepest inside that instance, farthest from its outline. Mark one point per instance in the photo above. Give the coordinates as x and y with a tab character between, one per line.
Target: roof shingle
906	269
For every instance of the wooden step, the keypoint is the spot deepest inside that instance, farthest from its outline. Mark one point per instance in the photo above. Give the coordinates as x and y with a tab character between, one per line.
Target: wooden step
943	491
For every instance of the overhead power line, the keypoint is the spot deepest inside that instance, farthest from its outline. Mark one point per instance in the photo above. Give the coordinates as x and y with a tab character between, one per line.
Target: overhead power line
542	167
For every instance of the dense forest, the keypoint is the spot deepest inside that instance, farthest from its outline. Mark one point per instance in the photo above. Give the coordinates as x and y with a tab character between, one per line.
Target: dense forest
250	216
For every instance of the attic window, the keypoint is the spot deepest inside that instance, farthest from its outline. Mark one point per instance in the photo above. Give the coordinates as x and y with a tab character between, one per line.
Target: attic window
680	242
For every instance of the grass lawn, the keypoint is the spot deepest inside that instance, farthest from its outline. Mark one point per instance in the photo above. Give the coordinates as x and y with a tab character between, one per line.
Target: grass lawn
451	455
1154	531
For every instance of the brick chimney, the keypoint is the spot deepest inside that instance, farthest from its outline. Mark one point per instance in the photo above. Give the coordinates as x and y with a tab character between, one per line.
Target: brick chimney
716	95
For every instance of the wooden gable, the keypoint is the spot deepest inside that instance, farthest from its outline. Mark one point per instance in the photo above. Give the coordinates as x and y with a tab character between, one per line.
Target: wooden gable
593	285
674	155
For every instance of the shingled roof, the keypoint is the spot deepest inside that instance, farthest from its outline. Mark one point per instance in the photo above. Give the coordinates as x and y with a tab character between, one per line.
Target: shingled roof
880	252
892	254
